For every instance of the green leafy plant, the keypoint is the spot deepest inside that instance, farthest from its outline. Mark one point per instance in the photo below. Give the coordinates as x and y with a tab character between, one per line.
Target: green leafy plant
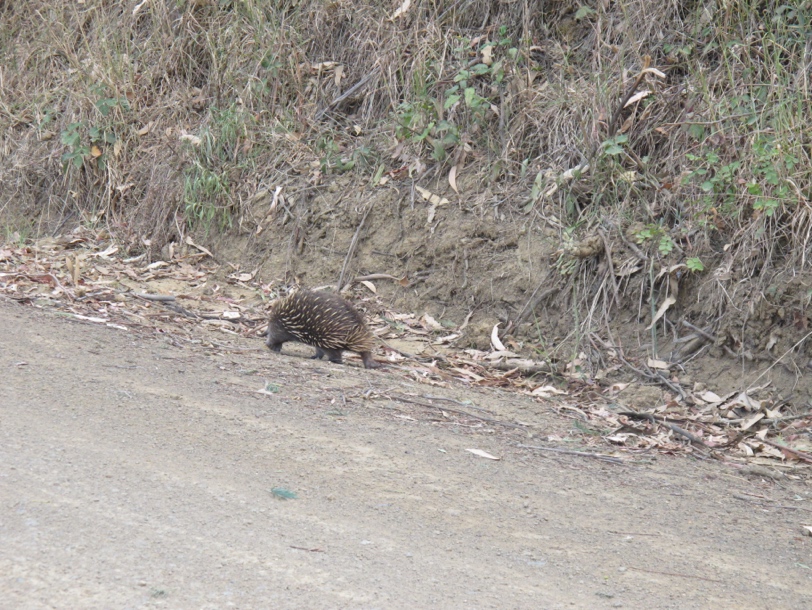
438	118
656	233
71	137
87	141
614	145
583	12
769	186
716	180
202	190
695	265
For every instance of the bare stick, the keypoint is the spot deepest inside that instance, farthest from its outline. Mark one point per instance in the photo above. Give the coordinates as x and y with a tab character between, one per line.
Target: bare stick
674	574
351	250
673	427
799	454
611	266
347	93
457	411
162	298
626	98
534	300
655	377
168	302
699	331
597	456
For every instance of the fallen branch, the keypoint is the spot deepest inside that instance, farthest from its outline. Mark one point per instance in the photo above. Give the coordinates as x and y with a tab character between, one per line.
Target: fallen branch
709	336
598	456
347	93
648	373
673	427
611	266
799	454
674	574
167	301
160	298
351	249
457	411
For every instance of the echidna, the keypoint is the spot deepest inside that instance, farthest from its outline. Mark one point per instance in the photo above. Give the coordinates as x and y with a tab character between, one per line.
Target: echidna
323	320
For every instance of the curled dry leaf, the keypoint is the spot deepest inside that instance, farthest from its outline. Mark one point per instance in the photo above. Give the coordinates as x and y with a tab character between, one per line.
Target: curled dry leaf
452	179
710	397
495	342
401	10
637	97
201	248
617	387
107	253
430	323
546	391
658	364
430	197
655	72
484	454
749	423
243	277
370	286
193	140
277	197
468	373
661	311
746	401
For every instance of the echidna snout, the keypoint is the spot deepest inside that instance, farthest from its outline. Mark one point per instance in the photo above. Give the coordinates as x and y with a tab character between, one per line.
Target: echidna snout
323	320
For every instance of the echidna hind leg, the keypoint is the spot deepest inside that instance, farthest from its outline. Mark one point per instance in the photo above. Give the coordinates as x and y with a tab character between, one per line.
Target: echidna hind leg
369	362
318	355
333	355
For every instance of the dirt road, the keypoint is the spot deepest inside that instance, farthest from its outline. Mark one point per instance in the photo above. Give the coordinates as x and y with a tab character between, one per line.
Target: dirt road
135	473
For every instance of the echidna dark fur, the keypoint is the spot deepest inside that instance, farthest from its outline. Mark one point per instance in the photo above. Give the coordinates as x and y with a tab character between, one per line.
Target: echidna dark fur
323	320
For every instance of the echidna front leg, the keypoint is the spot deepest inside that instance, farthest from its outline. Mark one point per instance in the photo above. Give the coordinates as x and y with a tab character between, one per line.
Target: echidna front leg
275	347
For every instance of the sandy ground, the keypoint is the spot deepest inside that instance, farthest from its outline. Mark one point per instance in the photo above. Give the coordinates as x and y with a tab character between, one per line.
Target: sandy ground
138	473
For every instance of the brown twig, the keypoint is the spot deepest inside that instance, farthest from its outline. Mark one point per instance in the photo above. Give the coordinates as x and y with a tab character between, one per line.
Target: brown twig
799	454
457	411
648	373
598	456
627	97
659	420
534	300
709	336
168	302
347	93
610	265
674	574
161	298
351	250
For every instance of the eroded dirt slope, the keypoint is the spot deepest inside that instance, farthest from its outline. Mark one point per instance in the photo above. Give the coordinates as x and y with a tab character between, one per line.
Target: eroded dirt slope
135	473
